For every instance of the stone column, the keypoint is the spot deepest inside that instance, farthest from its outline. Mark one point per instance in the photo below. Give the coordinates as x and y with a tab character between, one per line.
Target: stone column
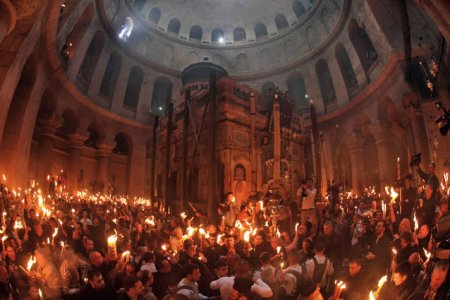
386	162
104	158
8	18
48	128
355	147
76	141
121	87
136	179
342	96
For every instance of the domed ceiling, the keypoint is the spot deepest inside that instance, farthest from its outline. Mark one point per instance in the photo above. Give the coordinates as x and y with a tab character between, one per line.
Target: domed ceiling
224	22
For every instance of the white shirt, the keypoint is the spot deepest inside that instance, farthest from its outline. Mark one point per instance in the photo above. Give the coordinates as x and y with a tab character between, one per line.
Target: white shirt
150	267
308	201
225	284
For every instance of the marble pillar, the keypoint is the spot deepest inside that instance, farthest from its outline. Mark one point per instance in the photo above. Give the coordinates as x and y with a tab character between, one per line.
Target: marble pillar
386	161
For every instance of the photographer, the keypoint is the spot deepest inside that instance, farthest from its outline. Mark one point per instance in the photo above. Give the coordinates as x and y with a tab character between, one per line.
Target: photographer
430	177
306	196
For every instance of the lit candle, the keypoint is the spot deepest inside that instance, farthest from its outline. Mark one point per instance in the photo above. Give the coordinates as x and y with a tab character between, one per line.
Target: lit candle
112	247
278	249
416	224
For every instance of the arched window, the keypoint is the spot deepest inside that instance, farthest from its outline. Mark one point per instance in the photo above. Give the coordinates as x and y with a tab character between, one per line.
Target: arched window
90	60
196	33
126	29
325	82
138	4
363	46
260	31
155	15
133	88
298	8
174	26
297	89
346	68
217	35
239	34
161	96
111	75
281	21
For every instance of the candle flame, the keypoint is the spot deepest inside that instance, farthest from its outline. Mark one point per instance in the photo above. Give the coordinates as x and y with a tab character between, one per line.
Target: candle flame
296	227
31	262
183	215
278	249
394	251
394	194
427	254
55	233
371	296
40	293
382	281
416	224
4	238
164	247
219	238
247	236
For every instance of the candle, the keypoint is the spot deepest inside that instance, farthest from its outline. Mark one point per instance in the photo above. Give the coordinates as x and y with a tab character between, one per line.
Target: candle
278	249
112	247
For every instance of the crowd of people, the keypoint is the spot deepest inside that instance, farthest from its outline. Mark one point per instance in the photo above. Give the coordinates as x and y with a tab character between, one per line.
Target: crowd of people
392	245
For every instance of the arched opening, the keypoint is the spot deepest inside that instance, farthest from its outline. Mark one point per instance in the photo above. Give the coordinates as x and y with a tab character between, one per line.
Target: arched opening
120	162
297	89
133	90
111	75
239	34
217	35
281	21
155	15
90	60
363	46
96	135
70	123
325	82
260	31
161	96
345	65
298	8
74	38
123	145
174	26
196	33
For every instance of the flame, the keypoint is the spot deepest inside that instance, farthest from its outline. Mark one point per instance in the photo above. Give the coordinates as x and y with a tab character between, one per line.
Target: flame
238	224
296	227
4	238
382	281
18	225
371	296
150	221
416	224
427	254
202	231
112	239
40	294
183	215
394	194
31	262
394	251
55	233
261	205
164	247
247	236
207	235
190	231
219	238
278	249
282	265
